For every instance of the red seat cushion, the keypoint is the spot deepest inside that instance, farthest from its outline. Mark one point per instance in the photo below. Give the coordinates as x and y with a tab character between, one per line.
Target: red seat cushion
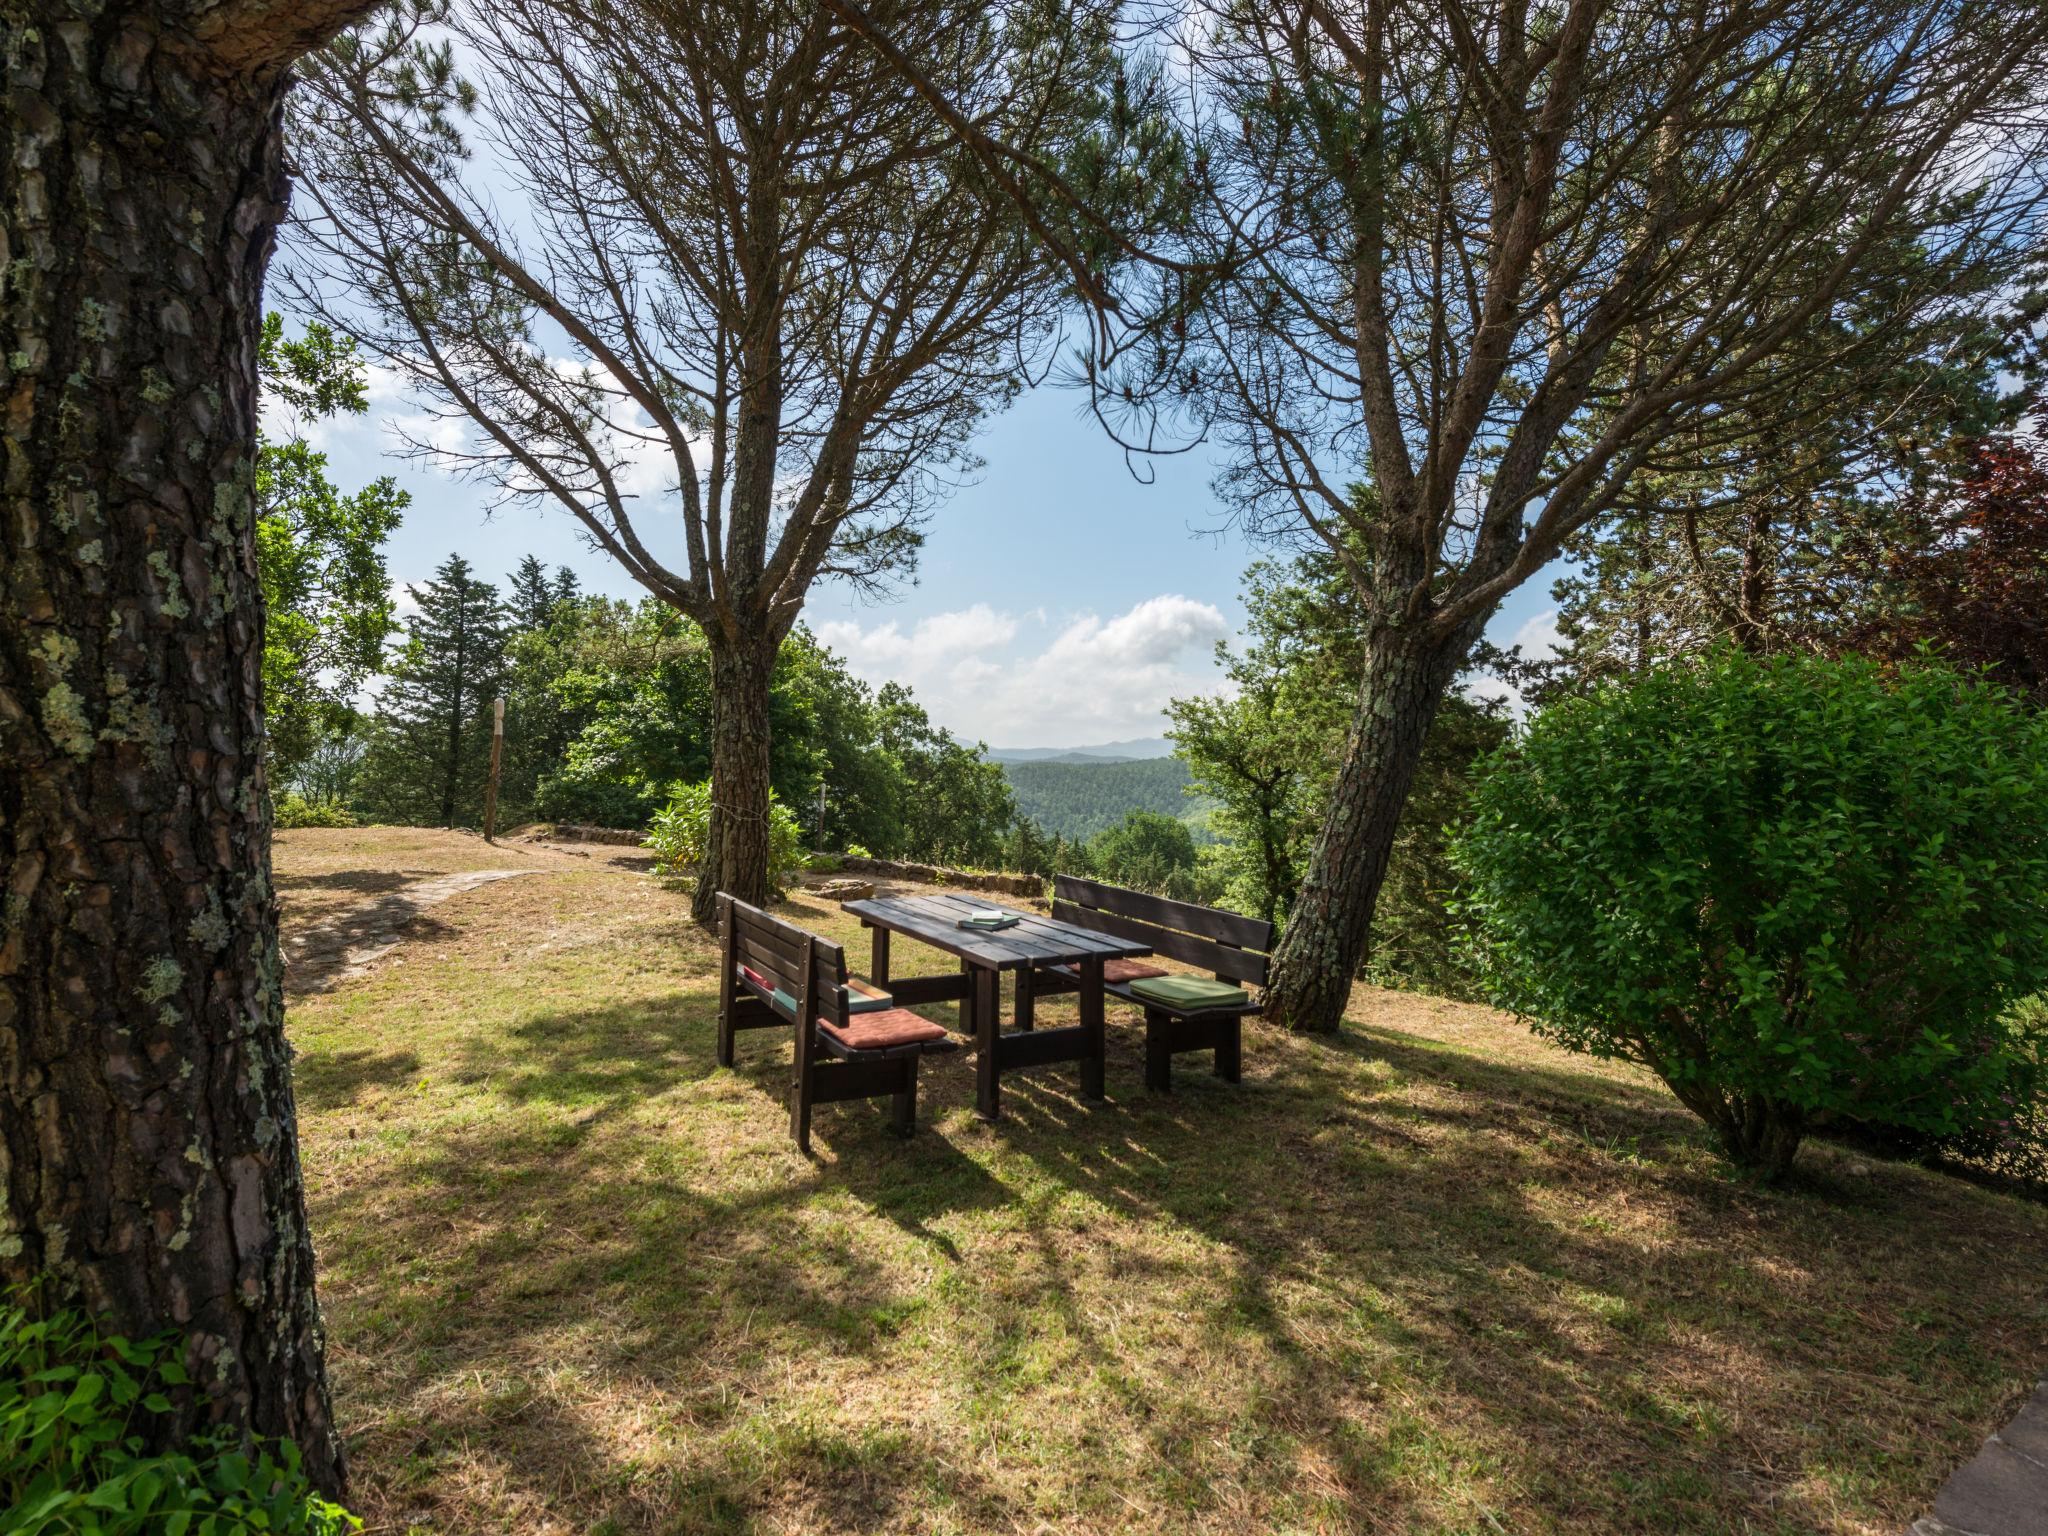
882	1029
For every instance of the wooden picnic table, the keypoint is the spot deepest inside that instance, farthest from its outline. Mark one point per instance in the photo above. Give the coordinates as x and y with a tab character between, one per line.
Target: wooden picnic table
984	956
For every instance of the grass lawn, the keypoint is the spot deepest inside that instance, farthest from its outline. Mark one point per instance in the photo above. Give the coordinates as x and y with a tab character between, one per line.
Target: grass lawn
1433	1277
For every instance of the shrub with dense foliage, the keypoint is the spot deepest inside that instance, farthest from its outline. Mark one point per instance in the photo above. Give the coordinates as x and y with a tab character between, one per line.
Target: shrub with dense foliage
293	810
681	832
1797	889
77	1454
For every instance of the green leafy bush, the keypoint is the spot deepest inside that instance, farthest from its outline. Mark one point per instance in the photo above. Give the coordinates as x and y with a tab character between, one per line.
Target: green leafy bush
290	811
1799	890
76	1407
681	831
584	795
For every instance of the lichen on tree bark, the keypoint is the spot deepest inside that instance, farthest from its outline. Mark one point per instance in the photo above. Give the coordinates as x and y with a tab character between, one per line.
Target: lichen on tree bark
148	1140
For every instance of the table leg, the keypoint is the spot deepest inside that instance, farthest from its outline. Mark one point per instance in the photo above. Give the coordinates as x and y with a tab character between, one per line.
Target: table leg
987	1026
1091	1020
1027	1001
878	963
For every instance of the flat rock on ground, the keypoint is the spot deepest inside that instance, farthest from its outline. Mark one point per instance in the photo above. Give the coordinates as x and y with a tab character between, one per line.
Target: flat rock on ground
2004	1491
346	944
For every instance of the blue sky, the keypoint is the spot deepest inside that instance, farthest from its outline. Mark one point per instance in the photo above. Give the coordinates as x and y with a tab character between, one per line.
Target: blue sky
1060	602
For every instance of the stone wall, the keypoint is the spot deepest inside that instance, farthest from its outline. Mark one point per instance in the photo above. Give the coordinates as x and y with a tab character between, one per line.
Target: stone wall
932	874
565	832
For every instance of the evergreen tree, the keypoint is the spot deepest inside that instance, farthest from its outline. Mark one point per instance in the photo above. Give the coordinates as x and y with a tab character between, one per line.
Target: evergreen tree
1267	753
432	745
536	597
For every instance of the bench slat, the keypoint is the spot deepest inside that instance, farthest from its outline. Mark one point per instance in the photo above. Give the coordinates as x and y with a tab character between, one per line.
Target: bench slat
1241	965
1230	928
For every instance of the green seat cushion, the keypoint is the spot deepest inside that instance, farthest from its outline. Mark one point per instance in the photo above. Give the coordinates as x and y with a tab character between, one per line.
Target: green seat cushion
1189	994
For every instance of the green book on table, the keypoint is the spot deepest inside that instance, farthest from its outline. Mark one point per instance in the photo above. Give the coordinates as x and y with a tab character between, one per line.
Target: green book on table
989	922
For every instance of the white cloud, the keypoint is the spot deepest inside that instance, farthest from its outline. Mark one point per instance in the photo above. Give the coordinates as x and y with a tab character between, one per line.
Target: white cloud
1538	637
944	638
1025	680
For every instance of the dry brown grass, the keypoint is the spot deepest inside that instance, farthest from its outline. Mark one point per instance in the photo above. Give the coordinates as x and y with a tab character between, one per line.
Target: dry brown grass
1434	1277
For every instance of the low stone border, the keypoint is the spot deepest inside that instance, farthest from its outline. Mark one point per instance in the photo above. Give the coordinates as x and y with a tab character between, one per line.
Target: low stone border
932	874
566	832
2004	1491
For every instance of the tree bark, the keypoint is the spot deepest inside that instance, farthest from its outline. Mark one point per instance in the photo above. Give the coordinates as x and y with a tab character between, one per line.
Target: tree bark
148	1138
1327	934
736	860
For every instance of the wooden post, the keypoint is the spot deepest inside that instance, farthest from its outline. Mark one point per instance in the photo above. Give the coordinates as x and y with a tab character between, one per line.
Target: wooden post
497	759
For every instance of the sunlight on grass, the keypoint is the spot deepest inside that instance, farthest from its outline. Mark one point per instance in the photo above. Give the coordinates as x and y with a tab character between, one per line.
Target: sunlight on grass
1436	1277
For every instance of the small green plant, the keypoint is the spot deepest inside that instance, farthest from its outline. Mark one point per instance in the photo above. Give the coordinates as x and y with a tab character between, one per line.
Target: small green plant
76	1408
1800	890
680	835
857	851
292	810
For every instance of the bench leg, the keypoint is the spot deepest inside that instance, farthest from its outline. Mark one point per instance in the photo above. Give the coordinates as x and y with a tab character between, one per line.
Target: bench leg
1091	1020
1230	1052
904	1116
725	1033
800	1119
1158	1051
1027	1012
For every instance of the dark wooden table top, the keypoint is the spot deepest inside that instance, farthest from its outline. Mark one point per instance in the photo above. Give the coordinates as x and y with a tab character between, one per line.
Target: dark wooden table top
935	920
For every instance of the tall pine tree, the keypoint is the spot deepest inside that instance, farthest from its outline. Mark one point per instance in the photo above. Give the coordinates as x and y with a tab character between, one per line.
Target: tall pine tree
431	750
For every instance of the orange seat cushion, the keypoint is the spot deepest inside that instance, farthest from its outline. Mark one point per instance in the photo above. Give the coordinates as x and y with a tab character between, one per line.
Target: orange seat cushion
1129	970
1121	970
882	1029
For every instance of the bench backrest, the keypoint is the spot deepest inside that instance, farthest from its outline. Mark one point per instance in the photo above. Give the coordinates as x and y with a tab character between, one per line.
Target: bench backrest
776	952
1229	944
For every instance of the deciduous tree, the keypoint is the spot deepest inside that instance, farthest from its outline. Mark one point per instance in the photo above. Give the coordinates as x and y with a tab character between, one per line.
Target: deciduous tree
326	593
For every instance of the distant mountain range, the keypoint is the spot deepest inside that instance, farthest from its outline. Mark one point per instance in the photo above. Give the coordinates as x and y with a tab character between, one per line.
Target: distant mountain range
1108	752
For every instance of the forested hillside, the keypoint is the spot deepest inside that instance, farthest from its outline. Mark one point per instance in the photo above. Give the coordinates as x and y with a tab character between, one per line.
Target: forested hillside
1078	800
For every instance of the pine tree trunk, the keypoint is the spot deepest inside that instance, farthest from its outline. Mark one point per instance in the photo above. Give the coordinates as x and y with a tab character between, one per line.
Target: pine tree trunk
737	859
148	1140
1326	937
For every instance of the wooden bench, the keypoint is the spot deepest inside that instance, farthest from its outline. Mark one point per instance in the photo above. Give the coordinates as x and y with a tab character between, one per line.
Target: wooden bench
1228	945
773	974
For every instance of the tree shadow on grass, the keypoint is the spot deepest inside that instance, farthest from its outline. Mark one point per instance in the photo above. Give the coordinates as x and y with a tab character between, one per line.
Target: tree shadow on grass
319	954
358	882
326	1079
1380	1285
